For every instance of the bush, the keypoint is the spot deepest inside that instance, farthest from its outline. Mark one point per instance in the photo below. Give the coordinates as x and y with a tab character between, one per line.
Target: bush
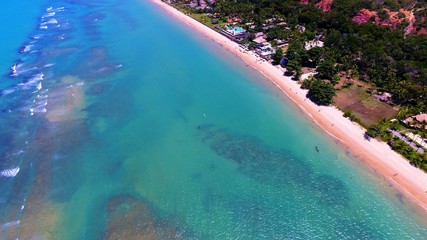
415	158
374	130
307	83
326	70
352	117
277	56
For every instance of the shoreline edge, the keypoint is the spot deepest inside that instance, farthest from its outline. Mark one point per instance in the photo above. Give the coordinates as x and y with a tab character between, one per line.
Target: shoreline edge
378	156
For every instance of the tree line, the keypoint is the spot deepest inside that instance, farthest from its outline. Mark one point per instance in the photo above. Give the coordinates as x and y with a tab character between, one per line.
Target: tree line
382	56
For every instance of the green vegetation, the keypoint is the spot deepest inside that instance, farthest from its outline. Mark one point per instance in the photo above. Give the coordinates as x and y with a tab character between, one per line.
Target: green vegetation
277	56
319	91
352	117
381	56
201	17
382	131
379	130
356	97
415	158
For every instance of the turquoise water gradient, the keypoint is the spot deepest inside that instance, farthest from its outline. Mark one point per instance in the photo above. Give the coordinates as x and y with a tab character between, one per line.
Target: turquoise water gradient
142	129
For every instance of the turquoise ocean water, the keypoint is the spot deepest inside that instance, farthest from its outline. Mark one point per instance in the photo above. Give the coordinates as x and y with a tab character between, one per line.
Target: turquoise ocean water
119	122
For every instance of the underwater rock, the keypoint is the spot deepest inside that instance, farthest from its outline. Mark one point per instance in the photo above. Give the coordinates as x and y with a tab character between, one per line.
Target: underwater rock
130	218
272	166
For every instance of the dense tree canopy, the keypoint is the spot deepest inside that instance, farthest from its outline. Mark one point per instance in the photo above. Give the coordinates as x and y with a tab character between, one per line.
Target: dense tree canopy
382	56
320	92
277	56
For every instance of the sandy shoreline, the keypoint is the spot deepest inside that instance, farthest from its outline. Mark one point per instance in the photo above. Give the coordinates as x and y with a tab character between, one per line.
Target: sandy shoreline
412	182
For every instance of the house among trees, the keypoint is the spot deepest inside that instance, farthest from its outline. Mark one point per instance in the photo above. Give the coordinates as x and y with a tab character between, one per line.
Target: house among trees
417	121
313	43
384	97
259	38
201	4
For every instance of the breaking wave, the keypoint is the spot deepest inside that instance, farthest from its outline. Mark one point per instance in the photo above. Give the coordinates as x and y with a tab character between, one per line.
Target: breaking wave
10	172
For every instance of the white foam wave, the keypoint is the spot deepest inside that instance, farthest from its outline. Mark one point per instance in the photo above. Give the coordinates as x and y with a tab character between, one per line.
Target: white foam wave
8	91
40	107
19	152
50	21
14	70
37	77
39	110
61	37
10	172
43	27
26	48
10	224
34	81
19	72
38	36
22	71
48	14
51	9
48	65
42	103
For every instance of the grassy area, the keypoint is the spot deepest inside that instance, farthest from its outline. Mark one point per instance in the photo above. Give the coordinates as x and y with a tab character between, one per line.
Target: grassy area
201	17
363	105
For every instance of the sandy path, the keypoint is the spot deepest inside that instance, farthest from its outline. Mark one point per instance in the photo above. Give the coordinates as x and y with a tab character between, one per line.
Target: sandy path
411	181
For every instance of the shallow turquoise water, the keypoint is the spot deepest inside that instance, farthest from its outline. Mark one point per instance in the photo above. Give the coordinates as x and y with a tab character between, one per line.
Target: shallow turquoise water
143	129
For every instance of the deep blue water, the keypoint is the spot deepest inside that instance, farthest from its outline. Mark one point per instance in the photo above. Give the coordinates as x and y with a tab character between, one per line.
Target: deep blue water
121	123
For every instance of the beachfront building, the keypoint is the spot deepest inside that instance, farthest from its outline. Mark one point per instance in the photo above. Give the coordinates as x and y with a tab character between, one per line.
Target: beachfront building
265	50
313	43
417	121
263	47
259	38
234	30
